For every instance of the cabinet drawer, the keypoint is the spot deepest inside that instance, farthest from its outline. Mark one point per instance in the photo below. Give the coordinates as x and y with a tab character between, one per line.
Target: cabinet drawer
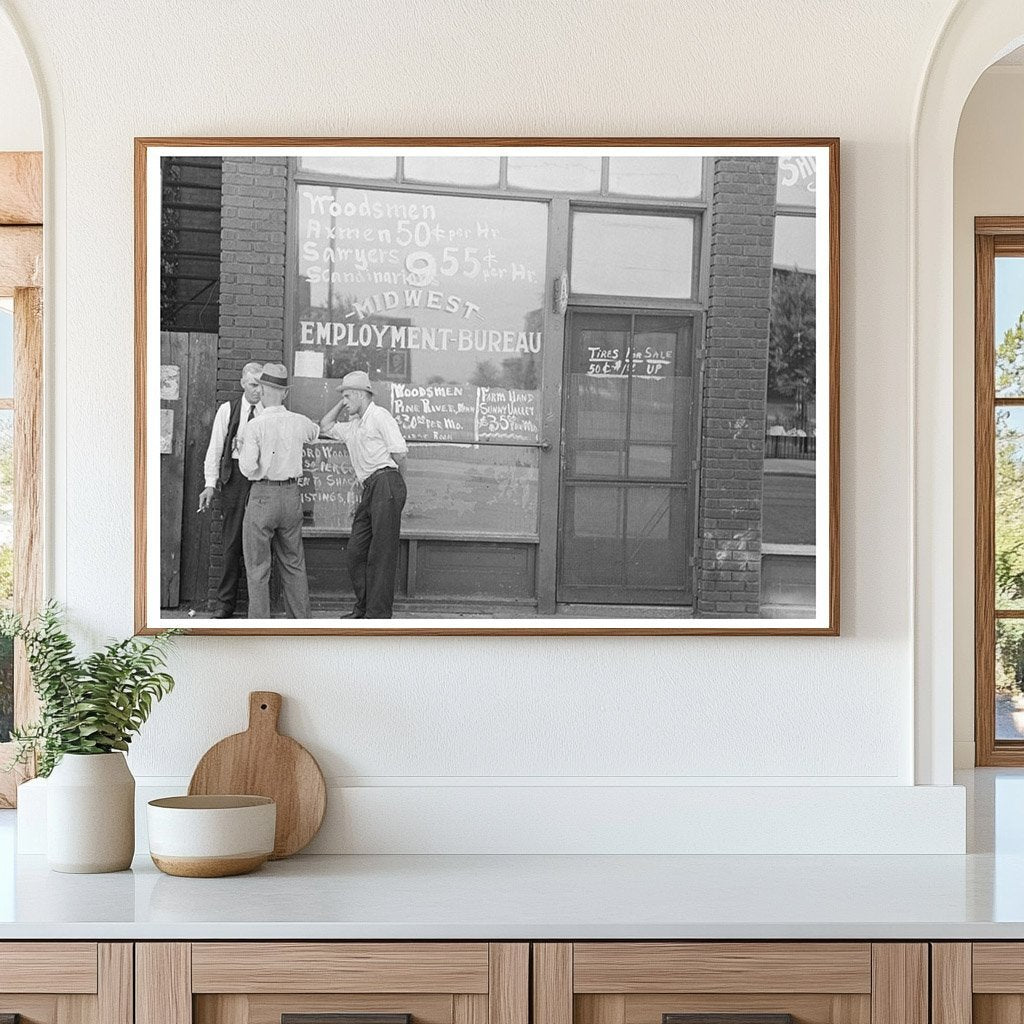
332	983
340	967
634	967
64	967
730	983
66	982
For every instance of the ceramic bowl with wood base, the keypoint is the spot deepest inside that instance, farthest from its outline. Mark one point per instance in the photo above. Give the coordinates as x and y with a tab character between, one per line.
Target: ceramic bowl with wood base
211	836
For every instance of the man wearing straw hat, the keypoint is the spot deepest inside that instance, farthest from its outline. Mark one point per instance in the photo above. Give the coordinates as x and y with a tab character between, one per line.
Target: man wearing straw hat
270	455
378	451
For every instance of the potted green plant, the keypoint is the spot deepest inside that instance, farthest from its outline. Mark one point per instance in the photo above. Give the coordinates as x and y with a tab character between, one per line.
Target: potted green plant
89	709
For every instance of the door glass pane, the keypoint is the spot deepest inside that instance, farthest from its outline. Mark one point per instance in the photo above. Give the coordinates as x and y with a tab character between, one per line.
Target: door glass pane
631	254
655	555
675	177
6	567
592	552
454	170
1009	327
1009	679
1009	524
555	173
368	167
598	397
650	460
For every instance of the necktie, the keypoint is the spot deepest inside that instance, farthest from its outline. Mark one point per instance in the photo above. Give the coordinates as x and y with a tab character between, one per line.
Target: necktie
252	412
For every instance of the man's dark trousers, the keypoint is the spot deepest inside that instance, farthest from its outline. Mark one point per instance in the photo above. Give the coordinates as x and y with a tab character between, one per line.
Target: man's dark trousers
233	496
372	550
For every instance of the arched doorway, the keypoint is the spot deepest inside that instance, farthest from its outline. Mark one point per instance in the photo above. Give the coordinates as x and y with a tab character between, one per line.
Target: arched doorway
976	34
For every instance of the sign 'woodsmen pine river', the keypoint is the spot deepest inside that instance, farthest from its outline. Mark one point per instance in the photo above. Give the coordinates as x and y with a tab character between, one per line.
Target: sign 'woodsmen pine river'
611	364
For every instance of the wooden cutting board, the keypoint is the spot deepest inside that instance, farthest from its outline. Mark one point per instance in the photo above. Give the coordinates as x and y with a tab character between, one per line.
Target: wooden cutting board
262	762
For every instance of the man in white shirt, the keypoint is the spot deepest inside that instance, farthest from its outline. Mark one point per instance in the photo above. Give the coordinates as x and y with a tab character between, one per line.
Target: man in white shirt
378	452
270	455
222	476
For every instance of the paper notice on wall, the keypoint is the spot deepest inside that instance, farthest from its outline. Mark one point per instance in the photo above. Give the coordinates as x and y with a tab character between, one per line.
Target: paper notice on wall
309	364
170	383
166	431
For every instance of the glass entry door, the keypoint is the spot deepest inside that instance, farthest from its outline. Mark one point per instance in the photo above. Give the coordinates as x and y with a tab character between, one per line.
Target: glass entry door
628	447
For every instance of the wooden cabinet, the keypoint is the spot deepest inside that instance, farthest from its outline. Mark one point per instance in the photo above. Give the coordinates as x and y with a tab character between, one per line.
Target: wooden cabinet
260	982
978	983
66	982
494	983
759	982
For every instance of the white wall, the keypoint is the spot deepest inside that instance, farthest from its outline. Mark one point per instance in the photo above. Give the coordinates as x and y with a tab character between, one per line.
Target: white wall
987	182
21	127
431	717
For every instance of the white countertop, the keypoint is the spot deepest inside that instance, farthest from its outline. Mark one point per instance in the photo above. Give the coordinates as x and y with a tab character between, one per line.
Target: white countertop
977	896
517	897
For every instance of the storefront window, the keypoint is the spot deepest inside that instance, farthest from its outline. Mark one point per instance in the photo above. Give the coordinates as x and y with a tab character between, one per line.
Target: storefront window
797	182
365	167
671	177
794	243
555	173
441	300
791	416
467	170
632	254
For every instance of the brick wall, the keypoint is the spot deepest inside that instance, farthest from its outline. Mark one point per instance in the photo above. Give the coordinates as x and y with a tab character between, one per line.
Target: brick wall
735	381
254	204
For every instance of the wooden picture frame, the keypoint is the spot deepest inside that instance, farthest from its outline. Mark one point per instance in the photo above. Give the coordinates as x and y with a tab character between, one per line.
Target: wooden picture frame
530	511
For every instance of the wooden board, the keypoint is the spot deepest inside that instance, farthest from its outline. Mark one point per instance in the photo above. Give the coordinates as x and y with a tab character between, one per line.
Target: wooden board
262	762
173	402
199	413
899	991
65	967
351	967
951	971
21	259
628	967
21	188
163	983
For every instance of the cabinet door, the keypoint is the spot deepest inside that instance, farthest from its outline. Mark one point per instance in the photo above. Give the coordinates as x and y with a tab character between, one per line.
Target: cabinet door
981	982
730	983
65	983
332	983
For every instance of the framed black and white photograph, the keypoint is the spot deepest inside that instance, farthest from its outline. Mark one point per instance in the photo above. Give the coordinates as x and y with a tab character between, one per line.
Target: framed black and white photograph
539	386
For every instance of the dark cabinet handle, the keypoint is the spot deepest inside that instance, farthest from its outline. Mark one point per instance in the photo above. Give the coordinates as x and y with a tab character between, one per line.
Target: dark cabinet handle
727	1018
340	1018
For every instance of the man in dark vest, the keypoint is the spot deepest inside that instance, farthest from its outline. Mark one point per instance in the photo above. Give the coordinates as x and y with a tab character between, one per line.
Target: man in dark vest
223	477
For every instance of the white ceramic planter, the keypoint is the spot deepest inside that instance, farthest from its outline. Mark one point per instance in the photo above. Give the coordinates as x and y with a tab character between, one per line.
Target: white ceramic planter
90	814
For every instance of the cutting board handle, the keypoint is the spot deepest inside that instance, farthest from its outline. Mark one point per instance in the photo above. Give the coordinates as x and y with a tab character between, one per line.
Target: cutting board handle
264	710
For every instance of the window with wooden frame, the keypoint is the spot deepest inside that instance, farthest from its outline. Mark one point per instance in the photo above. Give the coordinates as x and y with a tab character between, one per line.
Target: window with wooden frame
21	365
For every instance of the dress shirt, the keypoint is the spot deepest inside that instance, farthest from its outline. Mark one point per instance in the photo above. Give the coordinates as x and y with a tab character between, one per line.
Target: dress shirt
211	465
371	440
271	444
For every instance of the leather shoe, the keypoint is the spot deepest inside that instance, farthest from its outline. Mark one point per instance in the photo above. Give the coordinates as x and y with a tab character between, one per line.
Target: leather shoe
222	613
354	615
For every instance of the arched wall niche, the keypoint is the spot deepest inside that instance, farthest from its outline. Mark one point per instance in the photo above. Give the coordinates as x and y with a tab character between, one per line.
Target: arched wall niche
976	34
